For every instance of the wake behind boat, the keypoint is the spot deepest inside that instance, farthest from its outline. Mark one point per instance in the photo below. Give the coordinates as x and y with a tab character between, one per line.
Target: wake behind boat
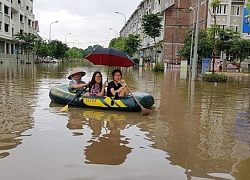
60	94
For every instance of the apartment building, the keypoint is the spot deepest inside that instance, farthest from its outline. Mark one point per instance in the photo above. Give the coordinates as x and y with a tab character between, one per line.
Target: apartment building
133	26
228	14
179	17
16	16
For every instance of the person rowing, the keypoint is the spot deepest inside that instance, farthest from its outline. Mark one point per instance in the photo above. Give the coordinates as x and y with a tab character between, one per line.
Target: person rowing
76	84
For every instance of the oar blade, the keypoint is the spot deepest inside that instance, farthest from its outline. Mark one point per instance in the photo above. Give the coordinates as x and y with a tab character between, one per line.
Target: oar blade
65	108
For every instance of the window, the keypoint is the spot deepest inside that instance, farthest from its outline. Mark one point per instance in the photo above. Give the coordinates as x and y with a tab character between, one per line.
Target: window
21	18
235	28
0	25
222	26
235	10
221	9
19	1
6	10
6	27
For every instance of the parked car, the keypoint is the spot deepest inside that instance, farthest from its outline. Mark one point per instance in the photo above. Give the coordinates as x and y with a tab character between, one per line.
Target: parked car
49	59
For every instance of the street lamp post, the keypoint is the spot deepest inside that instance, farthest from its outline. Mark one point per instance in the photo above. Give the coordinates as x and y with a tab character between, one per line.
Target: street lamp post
65	37
115	32
123	15
194	64
192	40
50	29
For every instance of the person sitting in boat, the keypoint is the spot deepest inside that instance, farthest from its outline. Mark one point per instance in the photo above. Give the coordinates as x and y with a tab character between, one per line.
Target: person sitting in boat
115	88
96	87
76	85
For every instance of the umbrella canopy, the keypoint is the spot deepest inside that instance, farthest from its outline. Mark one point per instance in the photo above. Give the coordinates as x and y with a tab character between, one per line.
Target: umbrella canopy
110	57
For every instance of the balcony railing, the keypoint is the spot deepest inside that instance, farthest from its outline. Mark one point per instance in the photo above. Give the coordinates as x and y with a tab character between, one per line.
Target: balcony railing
7	19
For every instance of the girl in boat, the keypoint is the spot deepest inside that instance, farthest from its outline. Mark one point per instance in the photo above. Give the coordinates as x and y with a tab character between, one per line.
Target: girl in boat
76	85
115	88
96	87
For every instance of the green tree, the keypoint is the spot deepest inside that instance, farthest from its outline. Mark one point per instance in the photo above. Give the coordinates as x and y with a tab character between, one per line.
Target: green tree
204	48
57	49
118	43
132	42
247	4
42	50
73	53
26	42
225	39
151	24
239	49
89	49
214	5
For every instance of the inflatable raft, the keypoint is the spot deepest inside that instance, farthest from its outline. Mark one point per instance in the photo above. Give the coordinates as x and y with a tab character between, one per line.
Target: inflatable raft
60	94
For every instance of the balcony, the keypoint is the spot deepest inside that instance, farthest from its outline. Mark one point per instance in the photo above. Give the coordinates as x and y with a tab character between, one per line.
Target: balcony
7	19
15	8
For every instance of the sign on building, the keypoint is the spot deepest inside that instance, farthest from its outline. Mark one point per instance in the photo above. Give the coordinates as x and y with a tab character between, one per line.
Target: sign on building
246	21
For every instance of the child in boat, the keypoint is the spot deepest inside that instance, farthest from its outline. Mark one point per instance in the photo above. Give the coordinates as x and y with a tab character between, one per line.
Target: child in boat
114	87
96	87
76	85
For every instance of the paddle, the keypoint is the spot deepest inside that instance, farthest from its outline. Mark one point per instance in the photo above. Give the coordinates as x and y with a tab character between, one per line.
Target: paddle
145	111
65	108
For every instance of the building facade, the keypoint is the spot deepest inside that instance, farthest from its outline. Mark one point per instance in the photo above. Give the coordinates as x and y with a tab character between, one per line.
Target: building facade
179	18
133	26
16	16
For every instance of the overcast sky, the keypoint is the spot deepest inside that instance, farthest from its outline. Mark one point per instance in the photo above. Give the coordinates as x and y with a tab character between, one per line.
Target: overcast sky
88	21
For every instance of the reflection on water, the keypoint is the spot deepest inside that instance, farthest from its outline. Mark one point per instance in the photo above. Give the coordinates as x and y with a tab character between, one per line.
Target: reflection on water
107	145
16	106
196	130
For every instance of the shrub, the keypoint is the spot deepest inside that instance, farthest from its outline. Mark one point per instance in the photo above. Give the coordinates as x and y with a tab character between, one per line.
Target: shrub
159	67
214	77
136	60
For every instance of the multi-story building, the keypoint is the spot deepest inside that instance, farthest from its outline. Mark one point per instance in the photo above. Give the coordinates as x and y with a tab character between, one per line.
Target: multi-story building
16	16
133	26
179	17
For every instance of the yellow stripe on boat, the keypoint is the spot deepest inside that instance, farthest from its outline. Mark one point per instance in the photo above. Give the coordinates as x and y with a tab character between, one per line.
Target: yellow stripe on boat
108	101
120	103
94	114
93	102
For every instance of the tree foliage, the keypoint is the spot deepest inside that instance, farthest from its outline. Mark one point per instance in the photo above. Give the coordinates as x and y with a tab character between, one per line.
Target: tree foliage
247	4
26	42
204	48
151	24
118	43
132	42
73	53
89	49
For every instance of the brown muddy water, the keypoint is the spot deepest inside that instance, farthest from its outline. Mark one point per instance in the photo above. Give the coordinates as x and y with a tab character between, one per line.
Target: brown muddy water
197	130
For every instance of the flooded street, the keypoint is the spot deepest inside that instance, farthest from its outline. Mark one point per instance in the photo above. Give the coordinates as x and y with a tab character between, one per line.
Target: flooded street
197	130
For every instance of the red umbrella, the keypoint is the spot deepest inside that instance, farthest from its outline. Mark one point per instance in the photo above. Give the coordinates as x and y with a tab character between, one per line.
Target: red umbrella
110	57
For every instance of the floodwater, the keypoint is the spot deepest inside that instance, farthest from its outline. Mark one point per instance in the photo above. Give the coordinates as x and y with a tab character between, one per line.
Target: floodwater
197	130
